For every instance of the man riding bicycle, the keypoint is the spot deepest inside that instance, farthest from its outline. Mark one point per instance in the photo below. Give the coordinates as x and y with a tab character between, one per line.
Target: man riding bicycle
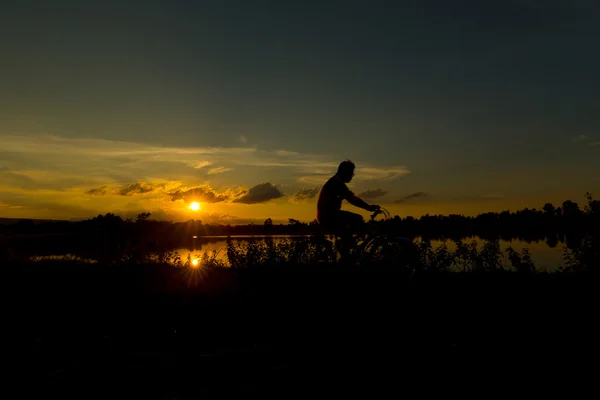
329	207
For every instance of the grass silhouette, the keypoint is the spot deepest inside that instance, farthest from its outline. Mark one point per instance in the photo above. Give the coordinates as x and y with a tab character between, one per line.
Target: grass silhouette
288	317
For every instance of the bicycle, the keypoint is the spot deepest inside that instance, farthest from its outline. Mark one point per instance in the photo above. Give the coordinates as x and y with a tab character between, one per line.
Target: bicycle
374	246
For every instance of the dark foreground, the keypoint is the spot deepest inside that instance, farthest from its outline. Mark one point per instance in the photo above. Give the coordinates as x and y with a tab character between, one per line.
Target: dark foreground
157	332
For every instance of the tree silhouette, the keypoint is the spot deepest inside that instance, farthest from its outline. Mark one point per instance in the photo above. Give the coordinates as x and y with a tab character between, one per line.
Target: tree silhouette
145	216
268	225
549	210
570	209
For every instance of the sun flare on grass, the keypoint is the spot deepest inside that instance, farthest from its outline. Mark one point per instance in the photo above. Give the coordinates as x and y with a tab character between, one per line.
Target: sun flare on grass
195	262
195	206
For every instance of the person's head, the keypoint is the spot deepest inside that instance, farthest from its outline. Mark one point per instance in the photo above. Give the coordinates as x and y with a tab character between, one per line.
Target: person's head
346	171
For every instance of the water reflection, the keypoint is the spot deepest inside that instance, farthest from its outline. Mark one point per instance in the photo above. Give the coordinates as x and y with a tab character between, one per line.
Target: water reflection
546	254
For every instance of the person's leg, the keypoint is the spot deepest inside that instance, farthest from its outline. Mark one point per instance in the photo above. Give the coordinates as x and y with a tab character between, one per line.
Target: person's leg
347	224
357	222
350	222
328	227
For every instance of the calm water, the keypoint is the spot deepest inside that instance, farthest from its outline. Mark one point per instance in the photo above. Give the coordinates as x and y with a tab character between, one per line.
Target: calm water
544	256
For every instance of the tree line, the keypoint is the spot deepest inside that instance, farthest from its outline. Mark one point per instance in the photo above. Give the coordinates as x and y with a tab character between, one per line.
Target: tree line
527	224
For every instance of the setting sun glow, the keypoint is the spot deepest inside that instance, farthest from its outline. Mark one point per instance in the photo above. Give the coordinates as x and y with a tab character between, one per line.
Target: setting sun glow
195	206
195	262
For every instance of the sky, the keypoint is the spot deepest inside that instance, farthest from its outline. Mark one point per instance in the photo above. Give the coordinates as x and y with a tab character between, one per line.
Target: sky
248	106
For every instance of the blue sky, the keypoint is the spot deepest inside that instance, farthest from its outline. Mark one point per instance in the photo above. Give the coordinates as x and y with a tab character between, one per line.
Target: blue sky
477	105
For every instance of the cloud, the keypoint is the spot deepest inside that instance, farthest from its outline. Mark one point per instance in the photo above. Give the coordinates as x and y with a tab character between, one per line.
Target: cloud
319	174
580	138
36	179
55	206
372	194
382	173
305	194
135	188
202	164
119	153
317	179
411	196
201	194
105	173
128	161
101	191
6	205
259	194
219	170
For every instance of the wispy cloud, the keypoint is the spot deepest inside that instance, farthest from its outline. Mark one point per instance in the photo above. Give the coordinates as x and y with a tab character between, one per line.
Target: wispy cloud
135	188
411	197
119	157
202	164
586	139
36	179
316	179
363	174
372	194
10	206
379	173
305	194
101	191
260	193
580	138
219	170
98	152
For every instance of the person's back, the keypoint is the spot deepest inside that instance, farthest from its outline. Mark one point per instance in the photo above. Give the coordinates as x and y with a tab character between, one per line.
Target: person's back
329	204
330	198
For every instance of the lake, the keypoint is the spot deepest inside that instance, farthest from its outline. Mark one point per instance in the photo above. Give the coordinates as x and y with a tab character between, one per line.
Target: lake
546	258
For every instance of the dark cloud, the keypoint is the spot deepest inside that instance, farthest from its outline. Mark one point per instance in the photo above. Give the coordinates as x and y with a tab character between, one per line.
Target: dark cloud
135	188
101	191
305	194
372	194
411	196
260	194
202	194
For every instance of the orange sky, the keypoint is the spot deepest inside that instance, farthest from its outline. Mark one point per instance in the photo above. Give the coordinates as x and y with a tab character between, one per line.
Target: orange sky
233	185
454	107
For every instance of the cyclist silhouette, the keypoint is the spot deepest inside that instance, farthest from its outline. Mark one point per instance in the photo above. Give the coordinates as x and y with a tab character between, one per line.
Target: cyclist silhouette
329	206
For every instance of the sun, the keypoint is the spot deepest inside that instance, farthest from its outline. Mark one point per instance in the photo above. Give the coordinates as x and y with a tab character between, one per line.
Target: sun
195	262
195	206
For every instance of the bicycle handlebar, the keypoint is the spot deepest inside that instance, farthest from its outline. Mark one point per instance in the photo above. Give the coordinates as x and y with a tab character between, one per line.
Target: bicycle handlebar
381	210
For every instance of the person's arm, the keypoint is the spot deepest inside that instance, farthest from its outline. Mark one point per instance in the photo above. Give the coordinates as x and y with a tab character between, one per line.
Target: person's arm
358	202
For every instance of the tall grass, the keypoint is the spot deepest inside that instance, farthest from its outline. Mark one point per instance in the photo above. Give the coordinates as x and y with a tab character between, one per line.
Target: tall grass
416	257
